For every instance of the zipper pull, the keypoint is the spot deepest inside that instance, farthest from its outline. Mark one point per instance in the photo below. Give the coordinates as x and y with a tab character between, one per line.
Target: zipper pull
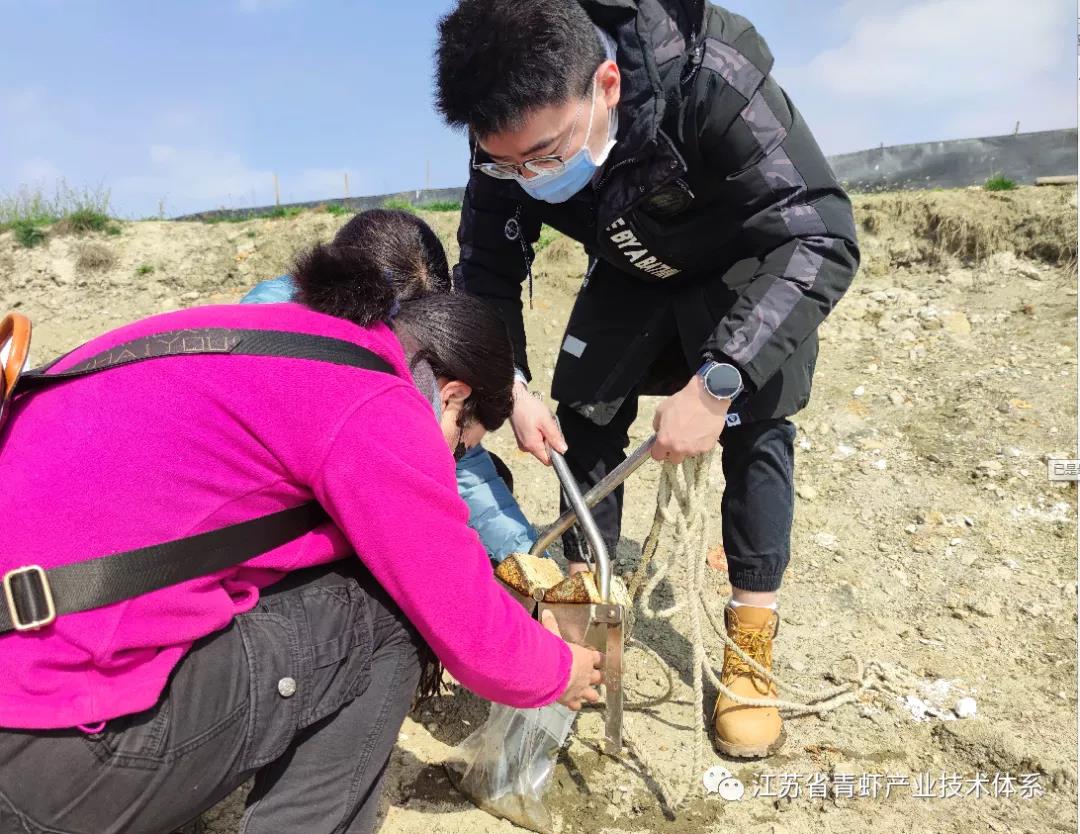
512	230
593	261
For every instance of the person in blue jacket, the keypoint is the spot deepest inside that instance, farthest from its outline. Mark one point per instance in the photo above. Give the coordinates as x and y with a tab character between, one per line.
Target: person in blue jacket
398	236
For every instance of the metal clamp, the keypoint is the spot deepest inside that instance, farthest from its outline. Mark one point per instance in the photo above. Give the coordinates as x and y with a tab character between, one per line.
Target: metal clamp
595	495
43	590
600	625
587	522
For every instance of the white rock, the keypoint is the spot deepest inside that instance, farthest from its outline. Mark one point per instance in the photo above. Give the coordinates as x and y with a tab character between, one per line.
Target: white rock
956	323
965	708
858	392
826	540
880	463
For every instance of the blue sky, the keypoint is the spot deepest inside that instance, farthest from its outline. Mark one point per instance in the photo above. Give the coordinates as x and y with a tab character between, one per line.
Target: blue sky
196	105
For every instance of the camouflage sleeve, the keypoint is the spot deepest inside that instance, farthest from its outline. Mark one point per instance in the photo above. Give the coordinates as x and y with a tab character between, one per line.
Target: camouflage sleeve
496	236
795	217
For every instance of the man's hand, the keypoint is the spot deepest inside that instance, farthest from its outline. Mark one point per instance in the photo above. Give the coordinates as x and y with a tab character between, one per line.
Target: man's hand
688	423
534	426
585	671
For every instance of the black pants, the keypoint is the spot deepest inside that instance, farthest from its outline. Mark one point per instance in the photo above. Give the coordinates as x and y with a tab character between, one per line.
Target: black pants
756	509
307	692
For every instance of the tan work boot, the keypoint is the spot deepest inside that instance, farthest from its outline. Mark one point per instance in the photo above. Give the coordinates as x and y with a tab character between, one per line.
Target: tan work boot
741	730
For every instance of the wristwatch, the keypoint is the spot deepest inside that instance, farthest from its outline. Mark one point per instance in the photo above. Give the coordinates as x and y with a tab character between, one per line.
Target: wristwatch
722	381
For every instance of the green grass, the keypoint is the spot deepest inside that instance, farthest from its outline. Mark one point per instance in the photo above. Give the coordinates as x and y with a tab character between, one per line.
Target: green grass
440	205
27	233
277	213
144	269
337	209
231	218
283	212
88	219
398	204
32	215
547	235
1000	183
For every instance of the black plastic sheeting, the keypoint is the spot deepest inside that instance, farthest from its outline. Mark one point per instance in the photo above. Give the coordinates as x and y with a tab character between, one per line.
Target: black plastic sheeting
959	163
952	164
419	198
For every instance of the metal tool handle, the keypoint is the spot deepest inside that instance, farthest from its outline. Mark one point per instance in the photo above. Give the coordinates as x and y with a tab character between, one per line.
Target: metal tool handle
595	495
588	523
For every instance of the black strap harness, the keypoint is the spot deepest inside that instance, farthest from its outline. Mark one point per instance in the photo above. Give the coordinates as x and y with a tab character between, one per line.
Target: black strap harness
34	597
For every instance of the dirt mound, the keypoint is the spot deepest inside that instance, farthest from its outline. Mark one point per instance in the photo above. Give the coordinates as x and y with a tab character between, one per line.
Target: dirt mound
1036	223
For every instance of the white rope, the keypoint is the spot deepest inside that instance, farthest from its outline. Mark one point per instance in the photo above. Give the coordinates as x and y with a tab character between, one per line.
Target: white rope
687	483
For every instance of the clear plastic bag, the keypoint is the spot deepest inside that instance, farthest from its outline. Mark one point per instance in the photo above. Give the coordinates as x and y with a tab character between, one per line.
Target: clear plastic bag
505	767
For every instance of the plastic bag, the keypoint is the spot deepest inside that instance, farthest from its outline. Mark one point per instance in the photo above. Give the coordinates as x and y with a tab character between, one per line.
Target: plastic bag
505	767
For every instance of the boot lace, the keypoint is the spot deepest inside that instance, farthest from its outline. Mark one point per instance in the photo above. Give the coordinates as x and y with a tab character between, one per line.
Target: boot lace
757	643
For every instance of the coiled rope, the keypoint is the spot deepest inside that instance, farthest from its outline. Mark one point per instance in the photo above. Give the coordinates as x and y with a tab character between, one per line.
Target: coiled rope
686	484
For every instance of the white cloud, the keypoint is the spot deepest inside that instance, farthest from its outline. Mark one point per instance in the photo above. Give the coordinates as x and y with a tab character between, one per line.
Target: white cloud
198	178
38	172
188	179
939	50
919	70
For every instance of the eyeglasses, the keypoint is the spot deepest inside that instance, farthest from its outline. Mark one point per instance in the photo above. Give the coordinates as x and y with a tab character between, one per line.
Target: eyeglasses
542	165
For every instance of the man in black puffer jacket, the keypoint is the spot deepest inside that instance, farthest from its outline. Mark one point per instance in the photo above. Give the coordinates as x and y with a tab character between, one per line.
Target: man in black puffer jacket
718	241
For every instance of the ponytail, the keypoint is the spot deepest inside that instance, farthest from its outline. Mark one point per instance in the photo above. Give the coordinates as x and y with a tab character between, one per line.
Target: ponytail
344	281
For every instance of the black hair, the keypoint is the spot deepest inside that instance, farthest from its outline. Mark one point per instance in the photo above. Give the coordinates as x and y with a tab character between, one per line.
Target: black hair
376	260
462	338
498	60
404	246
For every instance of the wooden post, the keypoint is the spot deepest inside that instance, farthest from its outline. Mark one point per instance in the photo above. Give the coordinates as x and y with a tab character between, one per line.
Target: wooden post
1017	130
277	191
346	185
427	176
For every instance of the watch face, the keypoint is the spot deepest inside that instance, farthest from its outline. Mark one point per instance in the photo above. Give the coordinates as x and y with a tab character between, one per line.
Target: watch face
723	381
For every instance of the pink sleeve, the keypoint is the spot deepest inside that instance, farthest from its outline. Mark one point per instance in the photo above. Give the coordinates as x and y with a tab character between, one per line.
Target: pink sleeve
388	482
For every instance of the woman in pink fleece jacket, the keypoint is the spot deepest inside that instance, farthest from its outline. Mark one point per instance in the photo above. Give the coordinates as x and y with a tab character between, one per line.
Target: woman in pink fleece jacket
298	666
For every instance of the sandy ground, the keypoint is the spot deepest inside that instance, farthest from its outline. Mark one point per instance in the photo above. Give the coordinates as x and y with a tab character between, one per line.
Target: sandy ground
927	532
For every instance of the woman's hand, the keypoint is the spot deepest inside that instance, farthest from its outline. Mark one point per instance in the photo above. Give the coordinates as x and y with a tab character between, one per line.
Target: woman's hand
585	672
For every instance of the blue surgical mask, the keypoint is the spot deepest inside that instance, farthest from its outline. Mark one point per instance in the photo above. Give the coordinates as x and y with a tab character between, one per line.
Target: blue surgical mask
577	171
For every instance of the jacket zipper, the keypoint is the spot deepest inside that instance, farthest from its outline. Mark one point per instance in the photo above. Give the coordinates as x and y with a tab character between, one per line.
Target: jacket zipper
612	170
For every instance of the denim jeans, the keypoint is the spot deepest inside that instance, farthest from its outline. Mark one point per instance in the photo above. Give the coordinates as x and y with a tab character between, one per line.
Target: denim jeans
307	693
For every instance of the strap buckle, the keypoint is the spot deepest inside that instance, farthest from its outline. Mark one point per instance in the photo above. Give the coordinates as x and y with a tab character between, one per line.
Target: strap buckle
34	586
